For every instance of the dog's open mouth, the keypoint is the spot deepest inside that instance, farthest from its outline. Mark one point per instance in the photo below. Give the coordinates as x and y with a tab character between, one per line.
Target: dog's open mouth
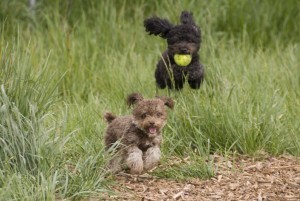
152	130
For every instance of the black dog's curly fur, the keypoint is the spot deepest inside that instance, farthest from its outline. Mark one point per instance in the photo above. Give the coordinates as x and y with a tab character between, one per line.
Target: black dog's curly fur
184	38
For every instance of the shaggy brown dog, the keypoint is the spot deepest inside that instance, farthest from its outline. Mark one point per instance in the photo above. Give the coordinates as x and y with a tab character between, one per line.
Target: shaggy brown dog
139	134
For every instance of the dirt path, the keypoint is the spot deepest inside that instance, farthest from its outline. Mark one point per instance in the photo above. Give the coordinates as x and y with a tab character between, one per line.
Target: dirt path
244	178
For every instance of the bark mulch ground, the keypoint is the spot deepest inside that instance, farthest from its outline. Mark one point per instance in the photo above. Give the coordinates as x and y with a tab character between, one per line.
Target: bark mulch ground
238	178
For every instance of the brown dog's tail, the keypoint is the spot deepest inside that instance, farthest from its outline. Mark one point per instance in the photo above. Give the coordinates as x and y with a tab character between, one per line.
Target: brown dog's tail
109	117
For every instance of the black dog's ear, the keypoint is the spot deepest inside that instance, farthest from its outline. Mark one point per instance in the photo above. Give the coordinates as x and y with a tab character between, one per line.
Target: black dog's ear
134	98
168	101
187	18
157	26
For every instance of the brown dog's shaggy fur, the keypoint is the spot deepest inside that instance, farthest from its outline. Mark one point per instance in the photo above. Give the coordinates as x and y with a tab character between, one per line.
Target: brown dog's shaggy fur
139	134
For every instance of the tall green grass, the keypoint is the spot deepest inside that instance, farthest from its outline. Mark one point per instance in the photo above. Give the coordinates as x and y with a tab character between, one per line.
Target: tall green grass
34	131
67	62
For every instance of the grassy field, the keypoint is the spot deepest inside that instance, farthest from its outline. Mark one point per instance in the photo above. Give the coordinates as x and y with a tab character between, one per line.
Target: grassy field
63	63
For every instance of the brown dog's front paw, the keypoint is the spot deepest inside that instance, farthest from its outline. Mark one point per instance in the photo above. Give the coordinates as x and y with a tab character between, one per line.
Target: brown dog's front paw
136	171
137	167
135	161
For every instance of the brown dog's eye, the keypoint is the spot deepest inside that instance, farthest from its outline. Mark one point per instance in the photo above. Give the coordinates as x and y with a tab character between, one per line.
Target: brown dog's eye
159	114
143	116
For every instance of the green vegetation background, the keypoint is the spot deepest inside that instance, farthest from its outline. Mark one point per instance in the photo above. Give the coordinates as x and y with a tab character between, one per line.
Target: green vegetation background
63	63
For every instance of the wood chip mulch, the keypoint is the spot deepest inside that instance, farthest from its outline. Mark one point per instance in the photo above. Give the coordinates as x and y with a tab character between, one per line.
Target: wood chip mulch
236	178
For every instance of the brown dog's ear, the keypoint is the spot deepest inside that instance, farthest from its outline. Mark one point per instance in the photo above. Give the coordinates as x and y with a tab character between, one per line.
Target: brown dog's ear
134	98
168	101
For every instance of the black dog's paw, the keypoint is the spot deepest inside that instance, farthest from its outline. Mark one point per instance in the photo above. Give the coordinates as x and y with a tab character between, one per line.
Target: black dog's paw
195	84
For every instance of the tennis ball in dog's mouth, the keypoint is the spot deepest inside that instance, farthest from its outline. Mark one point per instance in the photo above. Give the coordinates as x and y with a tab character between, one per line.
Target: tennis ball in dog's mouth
182	59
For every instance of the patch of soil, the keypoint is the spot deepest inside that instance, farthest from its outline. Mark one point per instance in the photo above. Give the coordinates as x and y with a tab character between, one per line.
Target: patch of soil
238	178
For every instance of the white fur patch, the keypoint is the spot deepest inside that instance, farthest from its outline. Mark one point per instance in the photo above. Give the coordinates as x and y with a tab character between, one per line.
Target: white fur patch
134	160
151	157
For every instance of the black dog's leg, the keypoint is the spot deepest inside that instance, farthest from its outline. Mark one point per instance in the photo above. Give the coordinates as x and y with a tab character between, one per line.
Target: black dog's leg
196	77
161	83
160	80
177	84
195	84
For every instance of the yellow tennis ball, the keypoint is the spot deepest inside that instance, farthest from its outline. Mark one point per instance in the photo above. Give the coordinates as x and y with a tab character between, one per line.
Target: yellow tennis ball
182	59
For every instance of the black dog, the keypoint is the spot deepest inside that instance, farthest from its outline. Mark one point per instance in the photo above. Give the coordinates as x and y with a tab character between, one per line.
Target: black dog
182	39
